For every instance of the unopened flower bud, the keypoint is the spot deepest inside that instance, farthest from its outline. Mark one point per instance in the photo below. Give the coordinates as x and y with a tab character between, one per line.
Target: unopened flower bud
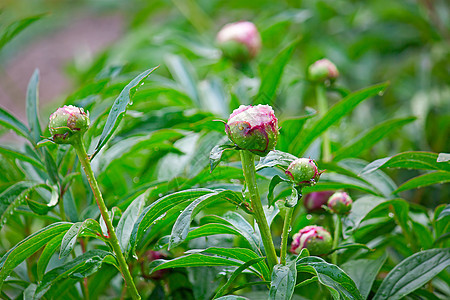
303	172
253	128
323	70
239	41
316	239
67	123
340	203
314	201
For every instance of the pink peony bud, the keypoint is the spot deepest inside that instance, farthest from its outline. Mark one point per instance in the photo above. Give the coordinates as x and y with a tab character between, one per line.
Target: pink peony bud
303	172
68	123
316	239
313	201
253	128
323	70
340	203
239	41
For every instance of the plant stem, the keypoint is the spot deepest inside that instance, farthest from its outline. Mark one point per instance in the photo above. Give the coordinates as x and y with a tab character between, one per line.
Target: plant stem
337	234
284	236
86	164
323	108
248	166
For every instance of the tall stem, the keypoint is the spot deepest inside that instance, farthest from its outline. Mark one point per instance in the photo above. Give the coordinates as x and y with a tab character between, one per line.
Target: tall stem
323	108
86	164
248	166
285	234
337	234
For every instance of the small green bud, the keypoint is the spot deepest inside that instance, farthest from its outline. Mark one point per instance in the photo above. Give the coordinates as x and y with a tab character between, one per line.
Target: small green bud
239	41
67	123
253	128
323	70
303	172
316	239
340	203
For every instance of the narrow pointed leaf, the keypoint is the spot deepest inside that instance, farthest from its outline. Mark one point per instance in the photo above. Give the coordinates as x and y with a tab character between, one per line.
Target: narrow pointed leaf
119	108
438	177
33	107
70	238
9	152
16	27
337	112
9	121
412	273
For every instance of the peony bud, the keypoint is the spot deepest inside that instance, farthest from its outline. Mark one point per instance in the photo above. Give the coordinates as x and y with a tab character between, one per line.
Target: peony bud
313	201
340	203
239	41
316	239
67	123
253	128
323	70
303	172
154	255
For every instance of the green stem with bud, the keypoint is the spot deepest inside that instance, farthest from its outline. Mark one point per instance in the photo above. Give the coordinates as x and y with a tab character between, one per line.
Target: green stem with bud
323	108
248	167
86	164
337	234
285	234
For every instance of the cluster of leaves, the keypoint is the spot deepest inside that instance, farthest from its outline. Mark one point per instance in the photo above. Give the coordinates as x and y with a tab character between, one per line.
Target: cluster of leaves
150	146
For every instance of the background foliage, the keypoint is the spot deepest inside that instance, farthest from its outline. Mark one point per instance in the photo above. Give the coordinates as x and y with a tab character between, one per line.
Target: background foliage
388	141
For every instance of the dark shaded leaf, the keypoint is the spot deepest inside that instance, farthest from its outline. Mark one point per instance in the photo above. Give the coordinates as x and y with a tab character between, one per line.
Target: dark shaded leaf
412	273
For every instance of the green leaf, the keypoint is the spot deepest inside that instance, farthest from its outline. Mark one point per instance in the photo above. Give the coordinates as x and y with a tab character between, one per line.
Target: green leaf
159	208
272	74
33	107
70	238
118	109
336	112
28	247
370	138
291	131
438	177
273	183
243	255
16	27
192	260
275	158
80	267
6	151
409	160
445	212
412	273
184	75
13	197
235	274
364	272
283	281
180	229
44	208
9	121
232	297
215	156
334	278
50	249
127	221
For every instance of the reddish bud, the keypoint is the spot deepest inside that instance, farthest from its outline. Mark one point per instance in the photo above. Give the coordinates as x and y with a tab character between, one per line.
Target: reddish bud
239	41
253	128
316	239
314	201
67	123
303	172
323	70
340	203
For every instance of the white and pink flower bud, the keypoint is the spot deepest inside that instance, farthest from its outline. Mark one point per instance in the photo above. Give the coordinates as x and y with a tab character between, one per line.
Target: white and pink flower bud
340	203
67	123
316	239
253	128
239	41
303	172
322	70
